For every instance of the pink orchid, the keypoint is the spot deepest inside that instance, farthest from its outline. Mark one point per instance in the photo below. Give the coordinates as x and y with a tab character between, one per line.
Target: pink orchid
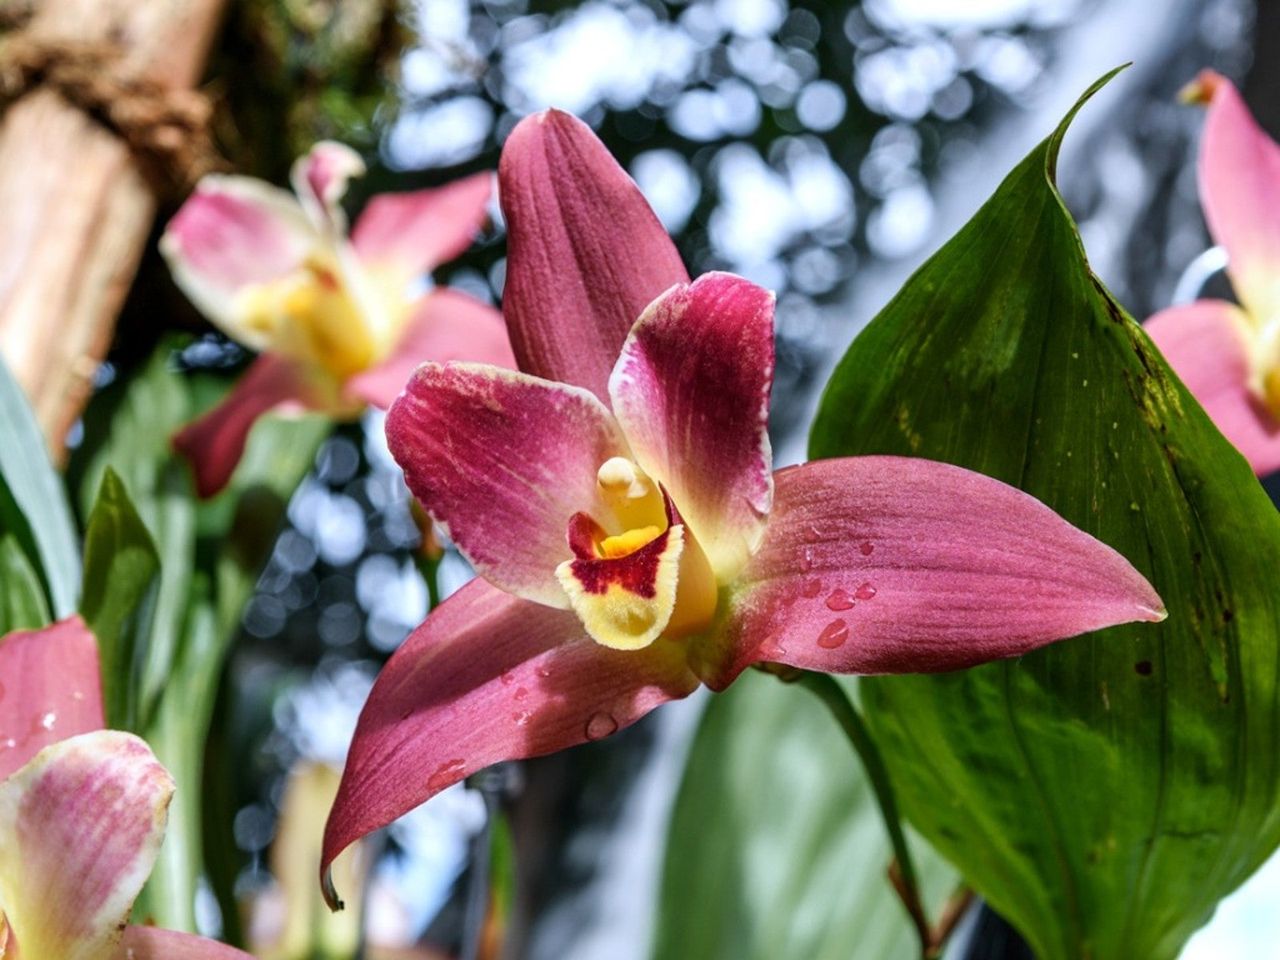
617	498
336	319
1229	355
82	812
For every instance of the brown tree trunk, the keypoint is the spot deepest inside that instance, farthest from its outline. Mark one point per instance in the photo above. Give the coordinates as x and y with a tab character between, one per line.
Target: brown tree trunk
75	205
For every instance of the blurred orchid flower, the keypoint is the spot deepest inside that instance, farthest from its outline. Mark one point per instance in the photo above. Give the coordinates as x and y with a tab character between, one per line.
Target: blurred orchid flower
617	499
82	812
1228	355
336	319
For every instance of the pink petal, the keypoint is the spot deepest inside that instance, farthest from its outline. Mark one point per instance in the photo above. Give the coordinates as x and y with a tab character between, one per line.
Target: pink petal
585	254
503	460
50	689
897	565
80	827
691	392
320	180
446	325
214	443
1205	344
234	231
1240	192
488	677
416	232
152	943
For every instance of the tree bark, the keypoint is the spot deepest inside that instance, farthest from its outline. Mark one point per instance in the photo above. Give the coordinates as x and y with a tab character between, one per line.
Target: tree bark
75	205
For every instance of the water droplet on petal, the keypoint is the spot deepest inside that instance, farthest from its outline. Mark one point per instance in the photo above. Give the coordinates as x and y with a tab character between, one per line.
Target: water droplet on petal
10	743
806	560
48	720
812	588
812	535
447	774
839	600
867	548
600	726
521	693
833	635
522	718
507	679
865	592
544	673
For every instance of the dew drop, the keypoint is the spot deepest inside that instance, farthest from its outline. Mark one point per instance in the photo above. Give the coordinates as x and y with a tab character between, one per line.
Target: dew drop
833	635
812	535
866	548
772	648
865	592
812	588
522	718
806	560
507	679
600	726
446	774
544	673
520	693
839	600
48	720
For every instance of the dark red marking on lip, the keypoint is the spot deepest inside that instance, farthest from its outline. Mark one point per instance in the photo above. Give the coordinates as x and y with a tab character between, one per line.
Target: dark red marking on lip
637	572
584	534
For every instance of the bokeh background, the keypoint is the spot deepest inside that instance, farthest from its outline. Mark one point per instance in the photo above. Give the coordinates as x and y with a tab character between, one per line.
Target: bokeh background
822	149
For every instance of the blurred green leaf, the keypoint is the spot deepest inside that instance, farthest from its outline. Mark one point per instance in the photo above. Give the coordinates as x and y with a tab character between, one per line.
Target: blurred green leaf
121	580
33	504
776	849
22	602
1105	792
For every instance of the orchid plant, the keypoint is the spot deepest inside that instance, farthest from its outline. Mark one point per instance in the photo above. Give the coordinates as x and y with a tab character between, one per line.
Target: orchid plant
1228	354
82	812
617	497
340	322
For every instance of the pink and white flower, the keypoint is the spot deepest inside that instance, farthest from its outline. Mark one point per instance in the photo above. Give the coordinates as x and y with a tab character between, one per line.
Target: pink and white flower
337	319
82	812
1228	354
617	497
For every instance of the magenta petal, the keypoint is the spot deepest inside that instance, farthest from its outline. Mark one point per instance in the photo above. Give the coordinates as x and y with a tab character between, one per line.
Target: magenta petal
897	565
416	232
691	392
488	677
503	460
152	943
50	689
233	232
446	325
1240	190
214	443
585	254
1205	344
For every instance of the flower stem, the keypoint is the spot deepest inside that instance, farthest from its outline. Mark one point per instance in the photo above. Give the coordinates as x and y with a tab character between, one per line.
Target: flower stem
902	871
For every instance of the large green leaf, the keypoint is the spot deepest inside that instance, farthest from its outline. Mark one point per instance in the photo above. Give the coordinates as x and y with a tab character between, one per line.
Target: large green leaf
1105	792
121	579
776	849
22	602
33	504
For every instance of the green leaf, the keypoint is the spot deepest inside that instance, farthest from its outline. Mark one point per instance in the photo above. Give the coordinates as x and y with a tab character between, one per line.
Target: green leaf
1105	792
22	602
121	578
33	504
776	848
129	431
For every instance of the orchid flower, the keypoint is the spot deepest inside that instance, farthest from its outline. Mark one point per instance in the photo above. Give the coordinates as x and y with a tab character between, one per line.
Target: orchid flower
616	497
82	812
336	319
1228	355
